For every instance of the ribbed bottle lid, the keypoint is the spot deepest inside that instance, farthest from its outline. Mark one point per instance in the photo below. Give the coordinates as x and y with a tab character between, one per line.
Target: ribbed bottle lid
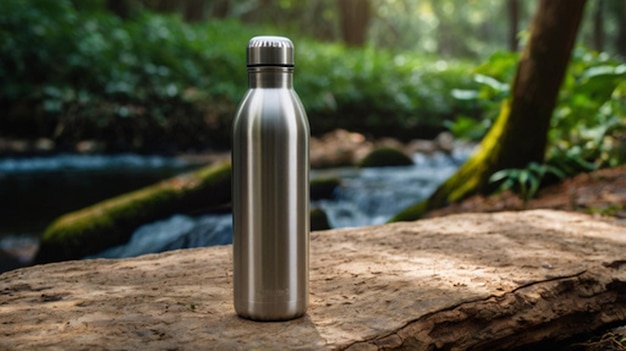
270	51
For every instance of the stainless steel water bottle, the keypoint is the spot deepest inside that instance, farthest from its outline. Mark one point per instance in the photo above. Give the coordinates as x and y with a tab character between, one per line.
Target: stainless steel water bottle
270	194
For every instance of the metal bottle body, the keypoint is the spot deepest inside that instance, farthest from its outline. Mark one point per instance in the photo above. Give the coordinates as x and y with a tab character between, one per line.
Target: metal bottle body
270	160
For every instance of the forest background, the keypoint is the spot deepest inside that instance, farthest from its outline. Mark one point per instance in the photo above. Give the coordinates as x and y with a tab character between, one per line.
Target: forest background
165	76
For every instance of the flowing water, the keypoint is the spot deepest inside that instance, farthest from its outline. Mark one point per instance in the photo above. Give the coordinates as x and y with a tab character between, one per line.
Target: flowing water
34	191
366	197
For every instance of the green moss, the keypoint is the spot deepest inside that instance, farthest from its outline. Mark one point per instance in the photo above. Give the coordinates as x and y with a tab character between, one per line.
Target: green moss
610	210
112	221
386	157
471	178
411	213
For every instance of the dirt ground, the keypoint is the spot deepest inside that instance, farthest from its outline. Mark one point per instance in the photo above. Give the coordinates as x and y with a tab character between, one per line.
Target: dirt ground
602	193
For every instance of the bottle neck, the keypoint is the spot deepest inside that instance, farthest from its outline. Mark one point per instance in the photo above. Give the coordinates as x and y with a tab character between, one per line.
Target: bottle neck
270	77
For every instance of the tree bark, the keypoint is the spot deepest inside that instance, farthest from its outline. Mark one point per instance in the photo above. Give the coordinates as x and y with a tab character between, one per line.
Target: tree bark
519	135
620	38
598	26
121	8
513	12
163	6
446	41
354	16
195	10
220	8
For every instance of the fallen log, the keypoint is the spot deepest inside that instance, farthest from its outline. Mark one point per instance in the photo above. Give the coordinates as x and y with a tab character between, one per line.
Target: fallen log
471	281
113	221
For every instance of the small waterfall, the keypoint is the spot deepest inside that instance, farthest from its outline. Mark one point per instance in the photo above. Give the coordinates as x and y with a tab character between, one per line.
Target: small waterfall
372	196
176	232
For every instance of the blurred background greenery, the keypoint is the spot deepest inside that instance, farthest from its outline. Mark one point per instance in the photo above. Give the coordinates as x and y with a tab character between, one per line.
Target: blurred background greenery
165	76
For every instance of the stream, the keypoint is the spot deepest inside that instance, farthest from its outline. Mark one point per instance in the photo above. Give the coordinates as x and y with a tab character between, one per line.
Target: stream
36	190
367	196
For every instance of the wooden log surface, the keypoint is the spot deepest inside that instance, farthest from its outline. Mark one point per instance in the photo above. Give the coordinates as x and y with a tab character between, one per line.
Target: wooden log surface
471	281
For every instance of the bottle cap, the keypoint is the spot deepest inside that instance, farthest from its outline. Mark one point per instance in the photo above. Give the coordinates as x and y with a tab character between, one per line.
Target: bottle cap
270	51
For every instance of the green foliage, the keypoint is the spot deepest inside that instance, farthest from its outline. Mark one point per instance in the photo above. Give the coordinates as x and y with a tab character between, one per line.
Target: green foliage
154	82
91	75
490	78
588	120
376	91
526	181
591	113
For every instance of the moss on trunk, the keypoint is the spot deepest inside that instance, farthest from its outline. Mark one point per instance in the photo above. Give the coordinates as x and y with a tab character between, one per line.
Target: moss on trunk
471	176
519	135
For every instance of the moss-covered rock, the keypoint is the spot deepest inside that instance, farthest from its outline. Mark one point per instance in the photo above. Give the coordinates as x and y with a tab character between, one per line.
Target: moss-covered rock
319	219
113	221
386	157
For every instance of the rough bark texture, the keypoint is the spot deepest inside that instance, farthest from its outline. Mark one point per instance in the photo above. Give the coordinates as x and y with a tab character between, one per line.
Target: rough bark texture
620	14
463	282
354	17
598	26
195	10
519	135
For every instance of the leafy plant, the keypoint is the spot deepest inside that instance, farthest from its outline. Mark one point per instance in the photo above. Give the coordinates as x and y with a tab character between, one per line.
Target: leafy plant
526	181
587	128
591	112
491	89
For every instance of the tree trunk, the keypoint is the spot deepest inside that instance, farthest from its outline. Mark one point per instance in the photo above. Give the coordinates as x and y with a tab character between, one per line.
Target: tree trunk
112	222
195	10
598	26
620	38
220	8
519	135
513	12
121	8
446	41
163	6
354	16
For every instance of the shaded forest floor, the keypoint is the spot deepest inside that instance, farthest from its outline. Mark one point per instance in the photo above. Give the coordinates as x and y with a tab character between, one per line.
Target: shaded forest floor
601	193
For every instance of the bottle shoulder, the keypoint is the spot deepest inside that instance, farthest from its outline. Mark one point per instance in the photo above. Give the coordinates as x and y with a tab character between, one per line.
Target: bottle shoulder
272	101
271	109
